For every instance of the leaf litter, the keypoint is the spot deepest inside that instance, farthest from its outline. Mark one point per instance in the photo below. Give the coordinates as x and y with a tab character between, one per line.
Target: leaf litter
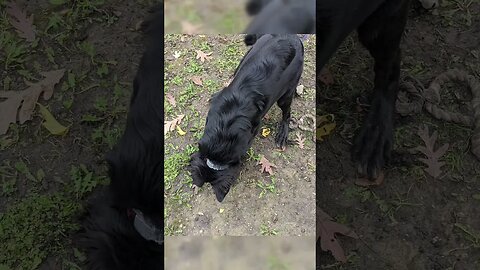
327	230
172	124
50	123
20	21
300	140
21	104
434	168
203	56
197	80
267	166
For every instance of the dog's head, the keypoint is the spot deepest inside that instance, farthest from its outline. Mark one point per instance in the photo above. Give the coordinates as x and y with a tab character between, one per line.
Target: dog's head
220	179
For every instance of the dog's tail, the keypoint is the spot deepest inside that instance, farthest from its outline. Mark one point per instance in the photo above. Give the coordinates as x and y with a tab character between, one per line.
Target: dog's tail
111	241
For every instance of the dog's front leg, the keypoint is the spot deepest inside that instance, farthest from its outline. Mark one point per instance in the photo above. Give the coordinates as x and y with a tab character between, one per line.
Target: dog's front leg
381	35
284	103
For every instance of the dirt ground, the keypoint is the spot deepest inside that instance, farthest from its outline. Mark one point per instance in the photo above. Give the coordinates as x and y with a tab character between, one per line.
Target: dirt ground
411	221
258	204
253	253
46	179
205	17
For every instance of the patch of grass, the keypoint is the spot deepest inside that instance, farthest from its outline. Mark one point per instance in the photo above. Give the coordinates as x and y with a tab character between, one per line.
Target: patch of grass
469	234
36	227
15	52
84	181
265	187
266	230
174	163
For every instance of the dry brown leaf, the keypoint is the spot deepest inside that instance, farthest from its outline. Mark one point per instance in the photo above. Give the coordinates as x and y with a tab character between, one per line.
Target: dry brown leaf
22	23
171	99
266	165
300	140
26	99
326	231
203	56
197	80
171	125
434	168
189	29
325	76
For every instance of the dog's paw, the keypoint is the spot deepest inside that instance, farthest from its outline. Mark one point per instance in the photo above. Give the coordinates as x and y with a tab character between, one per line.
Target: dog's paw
373	143
281	139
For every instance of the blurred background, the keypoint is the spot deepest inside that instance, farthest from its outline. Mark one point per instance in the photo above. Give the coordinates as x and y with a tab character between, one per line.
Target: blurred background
205	17
239	253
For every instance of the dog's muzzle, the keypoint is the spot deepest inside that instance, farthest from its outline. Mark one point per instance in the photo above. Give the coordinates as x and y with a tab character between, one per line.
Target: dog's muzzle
216	167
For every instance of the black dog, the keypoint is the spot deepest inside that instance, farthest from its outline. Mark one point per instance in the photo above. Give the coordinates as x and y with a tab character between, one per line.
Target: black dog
124	226
268	73
380	25
280	17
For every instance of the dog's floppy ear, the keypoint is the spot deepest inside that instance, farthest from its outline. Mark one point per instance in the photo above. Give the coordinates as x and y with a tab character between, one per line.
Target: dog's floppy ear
221	188
195	168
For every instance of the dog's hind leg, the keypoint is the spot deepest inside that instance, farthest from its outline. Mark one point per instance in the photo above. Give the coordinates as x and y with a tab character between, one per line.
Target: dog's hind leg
381	34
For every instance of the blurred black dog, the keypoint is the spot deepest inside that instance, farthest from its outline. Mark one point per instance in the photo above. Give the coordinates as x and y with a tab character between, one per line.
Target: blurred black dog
279	17
124	226
380	25
268	73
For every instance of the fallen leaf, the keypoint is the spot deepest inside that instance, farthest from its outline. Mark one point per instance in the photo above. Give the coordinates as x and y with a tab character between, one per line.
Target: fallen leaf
300	140
325	76
300	89
189	29
325	125
171	125
180	131
197	80
51	124
327	230
177	54
22	23
203	56
26	99
171	99
221	210
434	168
266	165
265	132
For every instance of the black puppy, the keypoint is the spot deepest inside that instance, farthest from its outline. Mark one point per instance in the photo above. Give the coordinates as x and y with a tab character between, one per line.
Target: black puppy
380	25
268	73
280	17
124	225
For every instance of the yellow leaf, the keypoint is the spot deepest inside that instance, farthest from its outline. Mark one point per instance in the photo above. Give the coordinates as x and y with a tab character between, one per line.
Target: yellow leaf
222	210
180	131
325	130
265	132
51	124
325	118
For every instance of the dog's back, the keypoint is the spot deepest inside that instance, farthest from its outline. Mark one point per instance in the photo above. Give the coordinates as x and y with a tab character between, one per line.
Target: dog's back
272	62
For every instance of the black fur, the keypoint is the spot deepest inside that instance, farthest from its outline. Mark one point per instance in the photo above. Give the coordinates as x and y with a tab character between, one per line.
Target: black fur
380	25
280	17
268	73
136	172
